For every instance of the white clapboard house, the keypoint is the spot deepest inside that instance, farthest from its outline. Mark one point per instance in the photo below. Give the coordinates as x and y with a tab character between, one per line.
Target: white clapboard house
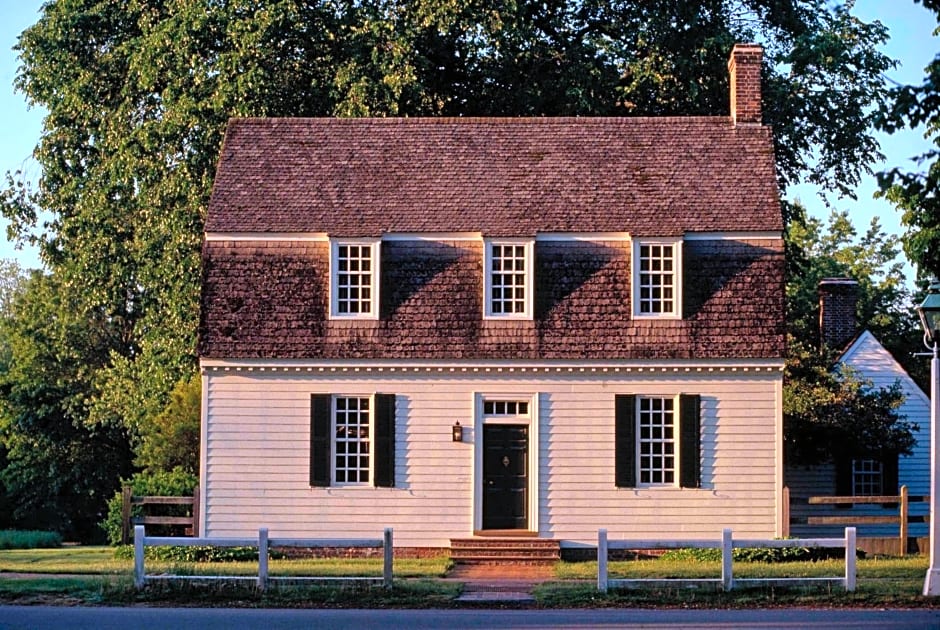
483	327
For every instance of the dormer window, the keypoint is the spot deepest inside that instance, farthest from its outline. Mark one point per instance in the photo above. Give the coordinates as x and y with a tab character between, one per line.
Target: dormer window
656	278
508	281
354	273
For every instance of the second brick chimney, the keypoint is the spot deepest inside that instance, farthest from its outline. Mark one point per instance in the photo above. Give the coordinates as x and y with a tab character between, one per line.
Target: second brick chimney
744	68
838	299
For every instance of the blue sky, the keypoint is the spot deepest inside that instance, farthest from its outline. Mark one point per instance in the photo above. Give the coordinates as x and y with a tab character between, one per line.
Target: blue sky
910	26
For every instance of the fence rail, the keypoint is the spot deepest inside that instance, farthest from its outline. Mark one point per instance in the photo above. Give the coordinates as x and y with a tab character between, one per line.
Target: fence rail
902	518
129	501
727	545
263	543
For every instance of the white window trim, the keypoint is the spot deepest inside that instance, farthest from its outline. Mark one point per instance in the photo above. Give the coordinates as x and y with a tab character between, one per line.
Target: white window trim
676	313
352	484
529	246
375	245
676	443
532	421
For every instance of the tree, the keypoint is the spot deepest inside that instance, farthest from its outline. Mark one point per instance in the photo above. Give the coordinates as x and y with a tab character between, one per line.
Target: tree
829	412
831	415
138	95
59	470
12	281
917	193
171	439
835	250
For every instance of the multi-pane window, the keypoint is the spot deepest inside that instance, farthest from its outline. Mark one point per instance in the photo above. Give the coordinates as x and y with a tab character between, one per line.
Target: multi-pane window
351	424
657	440
354	291
505	408
507	284
657	279
353	279
867	477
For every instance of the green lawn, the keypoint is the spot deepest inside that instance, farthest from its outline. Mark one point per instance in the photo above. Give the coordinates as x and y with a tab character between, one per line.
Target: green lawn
102	561
78	560
96	576
868	569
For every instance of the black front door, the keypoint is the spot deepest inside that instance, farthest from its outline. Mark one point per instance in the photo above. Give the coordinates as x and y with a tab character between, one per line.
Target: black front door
505	476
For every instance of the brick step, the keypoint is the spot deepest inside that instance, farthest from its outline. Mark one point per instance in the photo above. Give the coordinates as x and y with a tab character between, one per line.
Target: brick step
507	551
504	561
498	553
504	543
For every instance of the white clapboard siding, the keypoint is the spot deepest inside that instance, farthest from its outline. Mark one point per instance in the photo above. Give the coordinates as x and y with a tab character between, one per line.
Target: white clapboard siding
256	455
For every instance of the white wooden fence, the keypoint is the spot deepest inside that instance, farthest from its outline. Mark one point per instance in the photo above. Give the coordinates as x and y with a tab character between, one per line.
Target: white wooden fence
263	543
727	545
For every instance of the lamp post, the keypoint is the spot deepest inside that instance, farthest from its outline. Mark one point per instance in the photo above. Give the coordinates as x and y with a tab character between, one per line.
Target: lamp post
929	312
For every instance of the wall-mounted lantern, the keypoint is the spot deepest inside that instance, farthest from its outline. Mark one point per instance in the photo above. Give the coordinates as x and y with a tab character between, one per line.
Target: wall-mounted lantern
457	432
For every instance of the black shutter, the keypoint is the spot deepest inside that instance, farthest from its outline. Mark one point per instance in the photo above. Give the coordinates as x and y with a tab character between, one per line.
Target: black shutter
690	466
625	440
320	439
384	462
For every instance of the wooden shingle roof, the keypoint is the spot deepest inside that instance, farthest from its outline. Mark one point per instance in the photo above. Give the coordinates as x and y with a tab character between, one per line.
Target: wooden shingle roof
497	176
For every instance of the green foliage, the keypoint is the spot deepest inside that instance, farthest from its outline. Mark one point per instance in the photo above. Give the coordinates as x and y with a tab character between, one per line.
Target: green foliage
29	539
138	95
195	554
752	554
170	441
917	192
58	470
834	249
830	414
12	282
173	483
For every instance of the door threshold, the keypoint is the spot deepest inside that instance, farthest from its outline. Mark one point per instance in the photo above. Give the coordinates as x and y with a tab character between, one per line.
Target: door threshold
505	533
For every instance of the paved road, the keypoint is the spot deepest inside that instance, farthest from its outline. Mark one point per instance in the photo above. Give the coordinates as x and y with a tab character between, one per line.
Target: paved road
41	617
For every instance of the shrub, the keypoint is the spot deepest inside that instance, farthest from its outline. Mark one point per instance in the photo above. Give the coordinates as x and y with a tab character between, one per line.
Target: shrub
197	554
176	483
29	539
755	554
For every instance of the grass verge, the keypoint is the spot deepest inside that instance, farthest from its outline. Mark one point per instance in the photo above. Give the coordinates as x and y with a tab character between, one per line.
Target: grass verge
107	580
102	561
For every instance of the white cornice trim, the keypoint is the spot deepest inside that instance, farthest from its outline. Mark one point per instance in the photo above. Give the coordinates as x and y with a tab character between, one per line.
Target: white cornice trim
477	236
733	236
432	236
268	236
582	236
593	367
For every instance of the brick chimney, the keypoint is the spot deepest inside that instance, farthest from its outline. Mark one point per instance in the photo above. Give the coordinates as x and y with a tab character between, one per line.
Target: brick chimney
838	298
744	68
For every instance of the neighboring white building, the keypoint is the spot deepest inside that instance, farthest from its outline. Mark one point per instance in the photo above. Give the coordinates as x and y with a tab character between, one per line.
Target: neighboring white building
869	361
597	302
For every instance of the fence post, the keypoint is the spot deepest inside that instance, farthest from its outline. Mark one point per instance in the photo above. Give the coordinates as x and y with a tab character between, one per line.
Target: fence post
139	556
903	508
785	530
389	553
196	512
850	559
602	560
727	555
263	558
126	514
